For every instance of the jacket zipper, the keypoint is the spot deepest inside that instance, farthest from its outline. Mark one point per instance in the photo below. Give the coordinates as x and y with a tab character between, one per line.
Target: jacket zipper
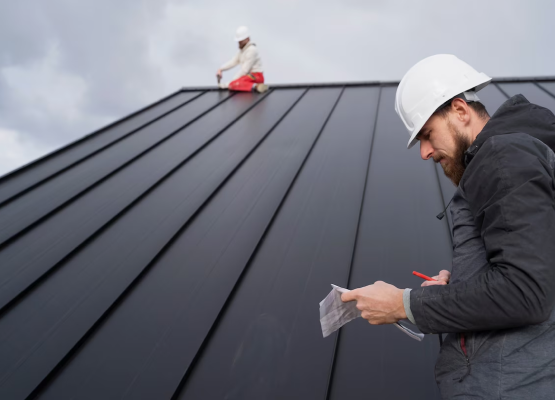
463	348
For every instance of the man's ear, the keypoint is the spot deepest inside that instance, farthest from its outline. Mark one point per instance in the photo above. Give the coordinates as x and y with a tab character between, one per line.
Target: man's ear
461	110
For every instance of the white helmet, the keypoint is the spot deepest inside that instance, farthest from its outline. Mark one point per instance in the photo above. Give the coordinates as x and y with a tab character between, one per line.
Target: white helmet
242	33
429	84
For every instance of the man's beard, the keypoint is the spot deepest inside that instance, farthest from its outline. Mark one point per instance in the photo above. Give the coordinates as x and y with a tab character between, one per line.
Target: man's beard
454	167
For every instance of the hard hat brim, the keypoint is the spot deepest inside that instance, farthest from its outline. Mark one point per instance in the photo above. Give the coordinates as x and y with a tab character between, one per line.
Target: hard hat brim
483	81
240	38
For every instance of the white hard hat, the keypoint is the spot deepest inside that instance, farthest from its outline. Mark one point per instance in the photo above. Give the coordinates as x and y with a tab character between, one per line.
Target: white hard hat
429	84
242	33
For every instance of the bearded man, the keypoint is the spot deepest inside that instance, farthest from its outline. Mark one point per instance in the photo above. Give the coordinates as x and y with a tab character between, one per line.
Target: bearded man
496	303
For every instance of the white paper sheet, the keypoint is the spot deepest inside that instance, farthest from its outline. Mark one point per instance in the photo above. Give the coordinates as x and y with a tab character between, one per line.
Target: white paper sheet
334	313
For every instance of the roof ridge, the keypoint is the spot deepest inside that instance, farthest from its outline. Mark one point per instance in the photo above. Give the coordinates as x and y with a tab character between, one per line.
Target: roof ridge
372	83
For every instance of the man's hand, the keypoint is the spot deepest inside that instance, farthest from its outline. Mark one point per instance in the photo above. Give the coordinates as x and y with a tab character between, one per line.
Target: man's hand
380	303
219	74
441	279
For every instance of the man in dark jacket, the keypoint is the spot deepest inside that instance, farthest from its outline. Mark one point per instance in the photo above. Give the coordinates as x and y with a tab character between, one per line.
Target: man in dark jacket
497	303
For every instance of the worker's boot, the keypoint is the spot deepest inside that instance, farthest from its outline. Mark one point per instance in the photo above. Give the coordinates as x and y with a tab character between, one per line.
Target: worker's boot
261	88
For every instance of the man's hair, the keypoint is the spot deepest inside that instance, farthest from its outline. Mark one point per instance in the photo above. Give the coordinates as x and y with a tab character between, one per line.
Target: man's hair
478	108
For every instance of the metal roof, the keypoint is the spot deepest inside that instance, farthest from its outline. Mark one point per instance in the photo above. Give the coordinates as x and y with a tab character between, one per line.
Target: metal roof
181	252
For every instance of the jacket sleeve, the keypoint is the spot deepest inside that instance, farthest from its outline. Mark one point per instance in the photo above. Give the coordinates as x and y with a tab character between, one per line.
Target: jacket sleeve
510	188
231	63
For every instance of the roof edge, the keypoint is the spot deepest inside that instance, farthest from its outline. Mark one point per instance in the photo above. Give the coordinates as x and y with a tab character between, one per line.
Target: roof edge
371	83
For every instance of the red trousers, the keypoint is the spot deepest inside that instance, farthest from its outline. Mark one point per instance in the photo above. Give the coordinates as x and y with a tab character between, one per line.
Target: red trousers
244	83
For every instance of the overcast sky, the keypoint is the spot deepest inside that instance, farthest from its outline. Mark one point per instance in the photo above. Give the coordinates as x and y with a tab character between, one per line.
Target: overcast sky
70	67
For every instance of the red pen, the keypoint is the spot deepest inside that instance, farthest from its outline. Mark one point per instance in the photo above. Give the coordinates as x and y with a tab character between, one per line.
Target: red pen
418	274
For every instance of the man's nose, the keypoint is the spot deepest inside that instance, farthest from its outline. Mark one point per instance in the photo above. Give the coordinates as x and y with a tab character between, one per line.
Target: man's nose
426	150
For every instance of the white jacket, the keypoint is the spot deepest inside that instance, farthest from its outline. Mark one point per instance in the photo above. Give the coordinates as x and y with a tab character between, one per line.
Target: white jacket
248	58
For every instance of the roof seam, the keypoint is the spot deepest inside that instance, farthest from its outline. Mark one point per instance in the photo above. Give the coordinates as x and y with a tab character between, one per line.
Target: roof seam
502	91
544	89
58	151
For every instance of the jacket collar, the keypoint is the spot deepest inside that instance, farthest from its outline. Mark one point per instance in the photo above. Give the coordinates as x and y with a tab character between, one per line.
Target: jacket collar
249	44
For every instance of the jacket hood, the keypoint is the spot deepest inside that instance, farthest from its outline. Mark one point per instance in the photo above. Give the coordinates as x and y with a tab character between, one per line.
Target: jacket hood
517	115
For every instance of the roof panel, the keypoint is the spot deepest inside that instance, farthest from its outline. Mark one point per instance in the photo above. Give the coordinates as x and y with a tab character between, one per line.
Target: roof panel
191	242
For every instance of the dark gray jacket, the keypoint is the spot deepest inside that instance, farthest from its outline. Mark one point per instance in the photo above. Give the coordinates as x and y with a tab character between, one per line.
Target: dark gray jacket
499	304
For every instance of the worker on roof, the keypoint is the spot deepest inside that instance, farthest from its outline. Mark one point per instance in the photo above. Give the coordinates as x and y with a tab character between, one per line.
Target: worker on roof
250	77
497	302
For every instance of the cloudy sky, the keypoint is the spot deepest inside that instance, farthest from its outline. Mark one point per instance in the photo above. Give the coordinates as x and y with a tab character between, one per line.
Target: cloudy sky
70	67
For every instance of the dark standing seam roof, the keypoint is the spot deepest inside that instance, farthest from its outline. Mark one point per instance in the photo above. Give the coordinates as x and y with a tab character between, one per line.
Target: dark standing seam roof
181	252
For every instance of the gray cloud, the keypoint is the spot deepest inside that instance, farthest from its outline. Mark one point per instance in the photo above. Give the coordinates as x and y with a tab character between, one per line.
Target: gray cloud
24	33
67	68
